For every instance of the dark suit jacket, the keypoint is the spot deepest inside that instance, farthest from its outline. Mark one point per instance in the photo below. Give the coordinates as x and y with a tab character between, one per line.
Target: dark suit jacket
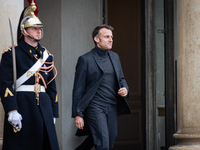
88	77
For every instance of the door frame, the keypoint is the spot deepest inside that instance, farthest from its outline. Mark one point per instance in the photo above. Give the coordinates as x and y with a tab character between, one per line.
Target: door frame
170	79
149	74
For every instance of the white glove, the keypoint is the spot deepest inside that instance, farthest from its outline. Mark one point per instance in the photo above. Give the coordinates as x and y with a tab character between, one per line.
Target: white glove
54	120
14	119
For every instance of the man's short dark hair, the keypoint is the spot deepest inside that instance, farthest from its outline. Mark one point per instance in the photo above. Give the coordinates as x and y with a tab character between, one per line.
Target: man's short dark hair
96	30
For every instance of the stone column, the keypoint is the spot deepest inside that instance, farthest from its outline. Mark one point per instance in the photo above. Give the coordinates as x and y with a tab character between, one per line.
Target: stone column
188	75
9	9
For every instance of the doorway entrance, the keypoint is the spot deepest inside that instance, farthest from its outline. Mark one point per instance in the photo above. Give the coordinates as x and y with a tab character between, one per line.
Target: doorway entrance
144	40
125	17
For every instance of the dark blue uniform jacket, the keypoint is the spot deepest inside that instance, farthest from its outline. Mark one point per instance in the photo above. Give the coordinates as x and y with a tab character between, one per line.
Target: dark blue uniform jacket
35	117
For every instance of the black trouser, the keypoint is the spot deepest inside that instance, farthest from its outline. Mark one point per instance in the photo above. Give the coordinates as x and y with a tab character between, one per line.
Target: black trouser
102	122
87	144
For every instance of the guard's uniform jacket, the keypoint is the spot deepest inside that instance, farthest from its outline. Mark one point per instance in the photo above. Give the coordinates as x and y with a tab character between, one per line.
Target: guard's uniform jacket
35	117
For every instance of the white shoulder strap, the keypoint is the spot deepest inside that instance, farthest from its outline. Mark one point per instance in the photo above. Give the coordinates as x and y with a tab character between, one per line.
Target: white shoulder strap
32	70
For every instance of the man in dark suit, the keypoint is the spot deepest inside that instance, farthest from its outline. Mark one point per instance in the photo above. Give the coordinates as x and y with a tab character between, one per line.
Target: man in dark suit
100	90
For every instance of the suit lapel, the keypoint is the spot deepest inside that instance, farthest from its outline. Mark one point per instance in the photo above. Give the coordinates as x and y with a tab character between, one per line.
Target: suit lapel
96	58
115	64
113	60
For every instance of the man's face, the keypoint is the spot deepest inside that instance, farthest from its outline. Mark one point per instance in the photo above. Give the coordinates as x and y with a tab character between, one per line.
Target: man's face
104	39
35	32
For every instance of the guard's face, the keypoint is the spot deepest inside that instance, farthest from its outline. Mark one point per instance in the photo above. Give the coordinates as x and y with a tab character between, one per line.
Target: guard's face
35	32
105	39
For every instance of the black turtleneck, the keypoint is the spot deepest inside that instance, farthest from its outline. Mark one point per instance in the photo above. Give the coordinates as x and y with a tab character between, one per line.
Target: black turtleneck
107	91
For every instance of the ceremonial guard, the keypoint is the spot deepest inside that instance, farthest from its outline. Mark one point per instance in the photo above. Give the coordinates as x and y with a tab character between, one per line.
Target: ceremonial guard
30	103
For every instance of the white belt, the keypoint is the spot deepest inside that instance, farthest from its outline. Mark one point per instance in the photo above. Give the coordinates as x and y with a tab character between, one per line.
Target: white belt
29	88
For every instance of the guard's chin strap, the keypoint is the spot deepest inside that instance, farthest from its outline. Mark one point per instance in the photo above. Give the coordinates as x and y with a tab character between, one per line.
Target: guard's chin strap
31	36
28	34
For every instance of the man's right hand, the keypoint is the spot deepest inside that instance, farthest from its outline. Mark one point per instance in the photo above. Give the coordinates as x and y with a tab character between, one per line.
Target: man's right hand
15	119
79	122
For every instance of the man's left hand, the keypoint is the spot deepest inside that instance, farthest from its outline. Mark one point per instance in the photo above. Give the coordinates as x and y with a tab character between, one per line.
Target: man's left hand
123	92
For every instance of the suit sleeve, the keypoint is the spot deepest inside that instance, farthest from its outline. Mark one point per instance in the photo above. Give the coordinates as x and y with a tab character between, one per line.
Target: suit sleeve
8	97
122	81
52	92
79	85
